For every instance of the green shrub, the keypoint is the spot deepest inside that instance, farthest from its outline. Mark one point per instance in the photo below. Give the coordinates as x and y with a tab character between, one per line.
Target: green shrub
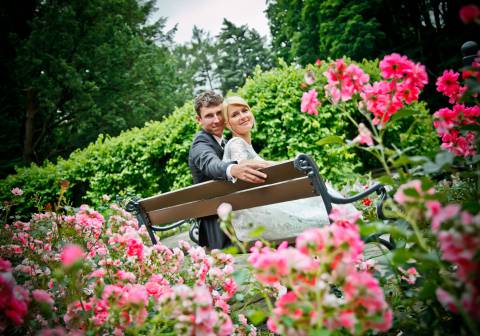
145	161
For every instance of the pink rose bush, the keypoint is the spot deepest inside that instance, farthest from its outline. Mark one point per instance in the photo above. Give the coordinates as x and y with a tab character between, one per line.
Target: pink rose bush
14	299
86	273
322	259
449	122
457	232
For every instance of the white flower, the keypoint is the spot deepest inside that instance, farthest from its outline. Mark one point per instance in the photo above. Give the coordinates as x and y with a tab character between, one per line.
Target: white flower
224	210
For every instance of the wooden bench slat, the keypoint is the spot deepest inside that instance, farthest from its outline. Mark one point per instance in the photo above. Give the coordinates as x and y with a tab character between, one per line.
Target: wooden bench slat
261	195
211	189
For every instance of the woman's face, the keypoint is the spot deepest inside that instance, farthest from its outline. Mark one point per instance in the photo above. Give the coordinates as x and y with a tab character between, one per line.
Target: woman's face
240	119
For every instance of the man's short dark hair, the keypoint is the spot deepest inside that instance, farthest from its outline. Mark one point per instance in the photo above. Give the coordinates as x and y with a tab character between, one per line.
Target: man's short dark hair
207	99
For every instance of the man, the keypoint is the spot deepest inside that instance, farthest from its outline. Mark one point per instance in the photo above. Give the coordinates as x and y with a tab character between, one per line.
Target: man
205	161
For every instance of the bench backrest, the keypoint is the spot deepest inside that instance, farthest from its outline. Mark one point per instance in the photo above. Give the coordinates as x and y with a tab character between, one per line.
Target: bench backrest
284	183
287	181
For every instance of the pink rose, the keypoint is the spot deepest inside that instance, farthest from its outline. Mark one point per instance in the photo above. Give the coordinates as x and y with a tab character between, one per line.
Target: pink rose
5	265
40	295
153	288
71	254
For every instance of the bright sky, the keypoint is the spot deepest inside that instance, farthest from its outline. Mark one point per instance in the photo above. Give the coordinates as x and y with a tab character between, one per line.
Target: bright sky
209	14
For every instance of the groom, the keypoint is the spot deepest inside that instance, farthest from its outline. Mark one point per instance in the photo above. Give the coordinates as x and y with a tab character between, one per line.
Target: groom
205	161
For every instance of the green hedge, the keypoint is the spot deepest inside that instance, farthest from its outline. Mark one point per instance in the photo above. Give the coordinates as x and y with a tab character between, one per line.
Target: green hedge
153	159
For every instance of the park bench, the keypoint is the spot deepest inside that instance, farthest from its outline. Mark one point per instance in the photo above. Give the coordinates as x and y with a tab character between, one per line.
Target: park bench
287	181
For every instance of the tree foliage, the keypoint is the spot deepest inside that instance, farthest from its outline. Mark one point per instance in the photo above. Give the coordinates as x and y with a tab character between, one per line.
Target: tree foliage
240	51
429	31
197	61
86	68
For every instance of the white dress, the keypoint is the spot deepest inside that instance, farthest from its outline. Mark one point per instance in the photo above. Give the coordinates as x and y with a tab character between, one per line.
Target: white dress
281	220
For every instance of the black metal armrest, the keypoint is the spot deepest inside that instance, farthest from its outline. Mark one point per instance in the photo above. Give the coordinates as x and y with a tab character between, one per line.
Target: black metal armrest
344	200
379	188
169	227
308	166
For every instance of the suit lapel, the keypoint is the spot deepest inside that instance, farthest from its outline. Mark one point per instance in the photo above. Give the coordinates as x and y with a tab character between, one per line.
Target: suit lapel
216	145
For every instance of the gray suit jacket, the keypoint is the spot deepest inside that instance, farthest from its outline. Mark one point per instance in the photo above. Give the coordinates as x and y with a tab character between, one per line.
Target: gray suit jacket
205	162
205	159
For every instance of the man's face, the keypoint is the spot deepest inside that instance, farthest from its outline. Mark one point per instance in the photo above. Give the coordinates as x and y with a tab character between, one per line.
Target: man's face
211	119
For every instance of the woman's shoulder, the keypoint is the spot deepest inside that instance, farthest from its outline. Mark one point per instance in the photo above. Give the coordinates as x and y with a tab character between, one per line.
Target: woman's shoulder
237	140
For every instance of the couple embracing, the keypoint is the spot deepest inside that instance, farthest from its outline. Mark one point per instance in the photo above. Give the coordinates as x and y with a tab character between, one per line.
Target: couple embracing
212	158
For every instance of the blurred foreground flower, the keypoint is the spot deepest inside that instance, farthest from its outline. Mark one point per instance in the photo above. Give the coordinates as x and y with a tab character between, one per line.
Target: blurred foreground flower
224	210
71	254
470	13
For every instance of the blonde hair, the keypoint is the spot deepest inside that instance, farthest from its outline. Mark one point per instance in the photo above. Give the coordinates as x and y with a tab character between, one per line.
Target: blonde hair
234	100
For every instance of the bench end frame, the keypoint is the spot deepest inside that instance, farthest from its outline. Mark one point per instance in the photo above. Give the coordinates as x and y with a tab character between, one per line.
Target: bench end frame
135	207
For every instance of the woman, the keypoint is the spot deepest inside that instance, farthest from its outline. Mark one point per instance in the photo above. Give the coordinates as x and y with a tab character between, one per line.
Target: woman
283	220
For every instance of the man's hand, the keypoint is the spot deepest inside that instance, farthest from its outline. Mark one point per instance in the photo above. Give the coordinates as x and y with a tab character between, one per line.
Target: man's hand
248	171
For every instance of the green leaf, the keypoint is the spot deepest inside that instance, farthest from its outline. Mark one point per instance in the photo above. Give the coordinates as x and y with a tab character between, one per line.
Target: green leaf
231	250
256	316
366	230
257	232
319	332
400	256
240	275
386	179
476	158
331	139
239	297
401	161
402	114
430	167
444	158
419	159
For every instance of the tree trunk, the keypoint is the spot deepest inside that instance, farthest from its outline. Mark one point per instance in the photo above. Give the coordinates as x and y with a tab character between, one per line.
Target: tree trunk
30	114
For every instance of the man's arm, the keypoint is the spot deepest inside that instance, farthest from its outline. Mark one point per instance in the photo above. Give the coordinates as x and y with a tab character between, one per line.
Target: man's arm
248	171
205	159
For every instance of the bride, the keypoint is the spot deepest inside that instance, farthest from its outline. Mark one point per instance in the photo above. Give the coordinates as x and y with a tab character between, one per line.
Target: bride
282	220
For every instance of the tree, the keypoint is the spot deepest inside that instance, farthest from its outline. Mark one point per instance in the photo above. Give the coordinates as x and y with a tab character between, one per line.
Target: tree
312	29
197	61
240	50
428	31
349	28
283	20
87	68
13	21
